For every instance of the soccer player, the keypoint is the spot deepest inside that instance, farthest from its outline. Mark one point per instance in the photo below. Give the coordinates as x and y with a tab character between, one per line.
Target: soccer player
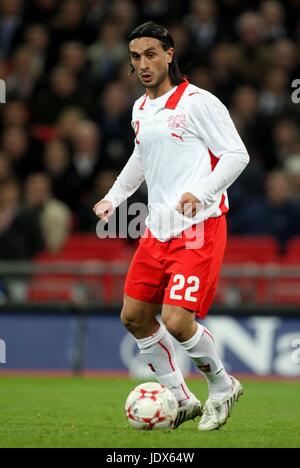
188	151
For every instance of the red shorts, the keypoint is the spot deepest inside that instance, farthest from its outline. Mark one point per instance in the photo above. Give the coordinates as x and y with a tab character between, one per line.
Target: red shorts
170	273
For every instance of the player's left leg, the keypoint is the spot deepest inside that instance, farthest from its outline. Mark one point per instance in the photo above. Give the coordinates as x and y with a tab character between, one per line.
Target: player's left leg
191	289
199	345
224	390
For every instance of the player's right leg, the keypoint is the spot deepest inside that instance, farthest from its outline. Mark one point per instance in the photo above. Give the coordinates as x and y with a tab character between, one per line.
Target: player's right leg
155	345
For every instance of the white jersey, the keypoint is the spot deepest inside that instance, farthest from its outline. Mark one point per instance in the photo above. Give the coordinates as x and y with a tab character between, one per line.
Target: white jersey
185	142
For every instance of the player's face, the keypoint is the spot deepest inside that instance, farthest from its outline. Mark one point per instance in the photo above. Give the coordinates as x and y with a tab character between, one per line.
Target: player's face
150	61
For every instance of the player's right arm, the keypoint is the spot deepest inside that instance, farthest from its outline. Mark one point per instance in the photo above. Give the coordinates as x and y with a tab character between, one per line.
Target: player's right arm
126	184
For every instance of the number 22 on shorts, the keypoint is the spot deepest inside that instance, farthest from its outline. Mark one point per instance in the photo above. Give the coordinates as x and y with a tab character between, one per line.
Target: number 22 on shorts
179	284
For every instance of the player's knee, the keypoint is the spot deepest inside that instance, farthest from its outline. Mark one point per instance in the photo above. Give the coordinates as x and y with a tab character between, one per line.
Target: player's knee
174	327
128	319
132	320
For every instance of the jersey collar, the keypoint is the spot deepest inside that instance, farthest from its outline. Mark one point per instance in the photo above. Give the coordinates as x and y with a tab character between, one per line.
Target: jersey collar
177	95
174	98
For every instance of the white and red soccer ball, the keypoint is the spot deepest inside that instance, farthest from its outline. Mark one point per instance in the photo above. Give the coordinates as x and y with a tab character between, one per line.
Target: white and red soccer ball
151	406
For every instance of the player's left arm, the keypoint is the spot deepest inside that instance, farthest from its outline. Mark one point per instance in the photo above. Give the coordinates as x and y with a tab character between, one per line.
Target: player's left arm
216	128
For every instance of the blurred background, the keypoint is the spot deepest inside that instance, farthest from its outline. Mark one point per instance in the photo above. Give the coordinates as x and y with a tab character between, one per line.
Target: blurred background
65	134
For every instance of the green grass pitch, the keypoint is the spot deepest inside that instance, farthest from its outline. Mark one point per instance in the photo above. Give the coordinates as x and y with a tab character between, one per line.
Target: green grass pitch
88	412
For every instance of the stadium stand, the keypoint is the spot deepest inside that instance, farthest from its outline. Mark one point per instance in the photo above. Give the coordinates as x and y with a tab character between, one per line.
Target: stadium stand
65	134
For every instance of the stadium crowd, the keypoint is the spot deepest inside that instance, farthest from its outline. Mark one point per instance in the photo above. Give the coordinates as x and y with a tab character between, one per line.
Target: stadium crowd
65	128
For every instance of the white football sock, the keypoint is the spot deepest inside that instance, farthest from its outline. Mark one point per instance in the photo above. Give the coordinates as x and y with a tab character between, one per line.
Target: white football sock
202	349
158	352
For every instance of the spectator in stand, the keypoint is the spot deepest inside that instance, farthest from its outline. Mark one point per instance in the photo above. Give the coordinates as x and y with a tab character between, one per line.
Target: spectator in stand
203	23
86	218
158	10
245	114
18	137
253	54
285	55
273	16
108	52
70	25
36	38
5	168
186	55
86	141
20	233
202	77
275	215
125	14
15	114
292	168
130	83
97	10
40	11
4	68
73	57
55	214
11	22
285	136
37	191
86	159
49	212
224	70
57	164
16	144
114	115
25	75
274	95
67	121
64	91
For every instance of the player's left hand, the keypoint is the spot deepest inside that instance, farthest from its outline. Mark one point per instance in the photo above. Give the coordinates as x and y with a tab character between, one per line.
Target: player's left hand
188	205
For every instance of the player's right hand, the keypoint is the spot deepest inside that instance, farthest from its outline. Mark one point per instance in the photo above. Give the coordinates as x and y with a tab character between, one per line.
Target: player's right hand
104	209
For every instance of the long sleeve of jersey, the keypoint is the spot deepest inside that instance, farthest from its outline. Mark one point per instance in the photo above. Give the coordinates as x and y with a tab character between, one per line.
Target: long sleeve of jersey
216	128
128	180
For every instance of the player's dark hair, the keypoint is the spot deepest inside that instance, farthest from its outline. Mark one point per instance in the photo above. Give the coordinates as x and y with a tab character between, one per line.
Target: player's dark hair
151	29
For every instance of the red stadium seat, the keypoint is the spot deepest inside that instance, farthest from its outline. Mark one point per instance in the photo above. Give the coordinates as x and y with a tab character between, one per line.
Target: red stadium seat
285	291
100	249
250	249
51	289
292	256
83	248
106	288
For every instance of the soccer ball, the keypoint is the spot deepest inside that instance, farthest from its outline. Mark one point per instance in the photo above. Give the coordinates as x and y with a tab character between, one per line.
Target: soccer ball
151	406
